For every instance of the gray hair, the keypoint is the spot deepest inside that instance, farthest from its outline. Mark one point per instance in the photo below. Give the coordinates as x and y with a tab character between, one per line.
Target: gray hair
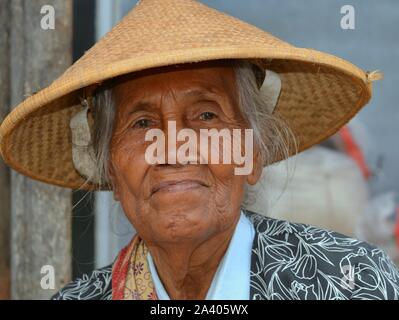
271	135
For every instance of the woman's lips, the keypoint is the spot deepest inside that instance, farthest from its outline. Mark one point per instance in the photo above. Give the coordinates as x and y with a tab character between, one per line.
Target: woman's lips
178	186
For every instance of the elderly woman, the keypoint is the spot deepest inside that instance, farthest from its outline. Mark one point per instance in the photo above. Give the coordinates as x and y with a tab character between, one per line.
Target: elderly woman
181	63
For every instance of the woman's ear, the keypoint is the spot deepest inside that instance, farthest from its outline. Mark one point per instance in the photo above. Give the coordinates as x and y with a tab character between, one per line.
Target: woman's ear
257	169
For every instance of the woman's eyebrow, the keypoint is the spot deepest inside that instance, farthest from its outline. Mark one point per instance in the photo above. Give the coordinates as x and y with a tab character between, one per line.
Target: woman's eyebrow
143	105
200	92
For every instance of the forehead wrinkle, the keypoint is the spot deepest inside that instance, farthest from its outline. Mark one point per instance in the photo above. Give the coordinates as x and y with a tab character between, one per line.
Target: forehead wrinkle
197	89
192	92
142	106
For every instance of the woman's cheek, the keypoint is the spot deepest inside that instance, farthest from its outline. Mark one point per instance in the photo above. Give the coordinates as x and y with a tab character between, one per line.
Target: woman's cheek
227	184
222	172
128	157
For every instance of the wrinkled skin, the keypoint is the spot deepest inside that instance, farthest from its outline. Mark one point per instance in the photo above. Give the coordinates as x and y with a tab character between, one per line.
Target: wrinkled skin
188	226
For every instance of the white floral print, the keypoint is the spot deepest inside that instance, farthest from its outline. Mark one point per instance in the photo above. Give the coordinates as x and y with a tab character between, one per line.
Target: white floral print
291	261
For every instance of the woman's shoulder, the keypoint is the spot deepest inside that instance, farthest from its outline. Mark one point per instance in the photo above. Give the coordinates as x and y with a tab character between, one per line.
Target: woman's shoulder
96	286
321	261
296	235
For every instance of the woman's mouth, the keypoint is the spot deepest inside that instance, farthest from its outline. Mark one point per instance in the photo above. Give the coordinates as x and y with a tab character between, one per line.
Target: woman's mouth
177	186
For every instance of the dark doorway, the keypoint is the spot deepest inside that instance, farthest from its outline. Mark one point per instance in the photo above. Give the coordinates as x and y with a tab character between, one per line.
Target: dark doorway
82	201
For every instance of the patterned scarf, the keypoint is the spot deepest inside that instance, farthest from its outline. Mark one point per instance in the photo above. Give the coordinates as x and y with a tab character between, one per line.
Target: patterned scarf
131	276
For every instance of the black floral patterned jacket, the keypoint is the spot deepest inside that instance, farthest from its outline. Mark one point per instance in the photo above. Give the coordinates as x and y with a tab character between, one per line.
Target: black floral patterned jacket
291	261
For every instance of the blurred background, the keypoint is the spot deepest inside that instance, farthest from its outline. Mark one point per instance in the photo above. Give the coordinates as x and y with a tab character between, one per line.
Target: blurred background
349	183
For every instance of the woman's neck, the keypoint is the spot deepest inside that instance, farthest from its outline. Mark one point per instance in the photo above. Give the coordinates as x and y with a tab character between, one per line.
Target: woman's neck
187	270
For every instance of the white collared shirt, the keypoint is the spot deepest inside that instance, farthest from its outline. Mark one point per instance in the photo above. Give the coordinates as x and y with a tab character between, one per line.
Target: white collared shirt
231	280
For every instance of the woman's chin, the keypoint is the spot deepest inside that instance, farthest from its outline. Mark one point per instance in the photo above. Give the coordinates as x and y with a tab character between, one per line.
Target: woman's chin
182	223
181	200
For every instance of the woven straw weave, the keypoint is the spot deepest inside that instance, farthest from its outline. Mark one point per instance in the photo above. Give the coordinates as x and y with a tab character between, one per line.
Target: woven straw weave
320	92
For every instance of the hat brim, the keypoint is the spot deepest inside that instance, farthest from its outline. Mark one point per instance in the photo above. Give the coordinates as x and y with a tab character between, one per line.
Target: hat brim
320	93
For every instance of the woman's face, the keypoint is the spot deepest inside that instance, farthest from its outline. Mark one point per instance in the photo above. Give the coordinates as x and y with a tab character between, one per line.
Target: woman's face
168	202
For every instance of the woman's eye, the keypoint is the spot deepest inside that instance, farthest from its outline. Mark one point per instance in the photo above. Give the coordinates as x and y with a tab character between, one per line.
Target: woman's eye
142	124
207	116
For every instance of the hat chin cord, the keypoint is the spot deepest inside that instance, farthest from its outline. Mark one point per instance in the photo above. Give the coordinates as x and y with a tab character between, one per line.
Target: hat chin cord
83	155
271	89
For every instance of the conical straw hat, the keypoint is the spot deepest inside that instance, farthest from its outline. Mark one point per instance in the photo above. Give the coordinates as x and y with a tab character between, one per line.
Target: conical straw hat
319	92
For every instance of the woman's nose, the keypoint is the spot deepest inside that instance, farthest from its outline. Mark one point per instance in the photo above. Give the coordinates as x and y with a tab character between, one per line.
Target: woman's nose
175	133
